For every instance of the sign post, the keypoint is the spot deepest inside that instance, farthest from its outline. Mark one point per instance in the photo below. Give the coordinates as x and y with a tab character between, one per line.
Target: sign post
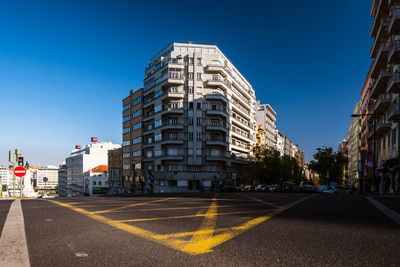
19	172
45	179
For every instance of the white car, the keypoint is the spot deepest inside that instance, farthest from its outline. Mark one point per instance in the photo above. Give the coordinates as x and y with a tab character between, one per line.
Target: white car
321	188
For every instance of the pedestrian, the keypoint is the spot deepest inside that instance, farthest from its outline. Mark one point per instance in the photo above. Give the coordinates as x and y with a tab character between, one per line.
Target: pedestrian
387	184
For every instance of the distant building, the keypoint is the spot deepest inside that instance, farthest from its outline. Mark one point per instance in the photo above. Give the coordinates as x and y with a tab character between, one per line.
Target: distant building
62	180
83	160
280	142
96	181
354	145
115	181
51	173
265	116
344	150
260	136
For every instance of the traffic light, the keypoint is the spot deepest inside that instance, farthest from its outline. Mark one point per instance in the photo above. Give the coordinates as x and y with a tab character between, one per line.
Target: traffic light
20	161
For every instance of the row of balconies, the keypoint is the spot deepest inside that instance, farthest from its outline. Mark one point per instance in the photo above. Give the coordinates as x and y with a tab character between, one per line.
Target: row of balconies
386	82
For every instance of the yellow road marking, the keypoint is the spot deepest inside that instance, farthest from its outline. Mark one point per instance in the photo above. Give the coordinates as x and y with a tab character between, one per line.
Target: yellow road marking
133	205
203	240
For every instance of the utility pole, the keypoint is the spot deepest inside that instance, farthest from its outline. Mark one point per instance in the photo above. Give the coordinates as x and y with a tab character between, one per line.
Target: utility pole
16	160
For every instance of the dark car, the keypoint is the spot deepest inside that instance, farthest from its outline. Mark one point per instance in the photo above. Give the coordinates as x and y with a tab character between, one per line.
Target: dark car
228	188
308	187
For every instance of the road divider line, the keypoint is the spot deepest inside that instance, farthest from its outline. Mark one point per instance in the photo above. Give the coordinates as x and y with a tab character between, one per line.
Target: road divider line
385	210
13	246
133	205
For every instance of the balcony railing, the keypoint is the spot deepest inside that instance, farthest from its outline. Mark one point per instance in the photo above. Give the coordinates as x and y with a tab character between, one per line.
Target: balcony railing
381	82
394	113
384	23
394	51
394	20
394	83
381	102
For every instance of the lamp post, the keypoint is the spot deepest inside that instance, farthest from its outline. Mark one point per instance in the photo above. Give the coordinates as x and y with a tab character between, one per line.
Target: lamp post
362	190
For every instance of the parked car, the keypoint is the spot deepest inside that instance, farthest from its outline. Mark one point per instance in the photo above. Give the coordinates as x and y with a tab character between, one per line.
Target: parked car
330	190
239	188
307	187
293	187
320	188
261	188
274	188
249	188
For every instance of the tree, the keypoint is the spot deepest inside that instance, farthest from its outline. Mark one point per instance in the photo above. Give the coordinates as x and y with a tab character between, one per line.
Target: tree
4	187
326	161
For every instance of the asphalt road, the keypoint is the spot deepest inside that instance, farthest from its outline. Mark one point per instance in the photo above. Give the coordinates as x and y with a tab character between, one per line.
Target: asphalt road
4	207
229	229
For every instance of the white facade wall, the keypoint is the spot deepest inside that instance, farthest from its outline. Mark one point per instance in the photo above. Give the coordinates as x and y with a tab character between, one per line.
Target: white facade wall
84	160
51	172
265	116
95	179
280	143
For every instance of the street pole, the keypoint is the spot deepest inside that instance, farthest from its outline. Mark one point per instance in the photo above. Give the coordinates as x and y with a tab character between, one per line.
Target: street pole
374	161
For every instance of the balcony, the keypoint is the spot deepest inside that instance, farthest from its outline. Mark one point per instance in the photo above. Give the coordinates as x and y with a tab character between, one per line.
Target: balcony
172	78
380	7
394	83
394	52
167	125
381	104
216	68
217	126
394	24
380	84
217	96
216	142
218	83
380	58
382	127
217	110
381	35
394	113
173	94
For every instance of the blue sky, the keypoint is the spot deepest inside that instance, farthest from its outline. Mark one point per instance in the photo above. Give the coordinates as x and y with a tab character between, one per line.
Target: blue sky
66	65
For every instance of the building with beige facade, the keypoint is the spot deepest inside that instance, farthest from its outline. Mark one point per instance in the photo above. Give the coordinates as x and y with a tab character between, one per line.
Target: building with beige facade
265	116
354	145
198	119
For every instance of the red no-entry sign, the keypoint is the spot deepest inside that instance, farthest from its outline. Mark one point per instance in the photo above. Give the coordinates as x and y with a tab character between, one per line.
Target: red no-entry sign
19	171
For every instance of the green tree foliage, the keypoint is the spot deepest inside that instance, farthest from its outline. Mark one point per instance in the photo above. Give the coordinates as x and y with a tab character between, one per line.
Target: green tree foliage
269	167
4	187
326	159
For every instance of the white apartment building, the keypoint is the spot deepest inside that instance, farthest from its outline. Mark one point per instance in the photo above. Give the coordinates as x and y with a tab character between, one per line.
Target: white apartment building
199	115
265	116
280	143
51	172
82	160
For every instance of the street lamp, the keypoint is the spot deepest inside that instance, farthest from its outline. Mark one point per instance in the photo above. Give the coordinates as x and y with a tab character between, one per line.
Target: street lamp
374	145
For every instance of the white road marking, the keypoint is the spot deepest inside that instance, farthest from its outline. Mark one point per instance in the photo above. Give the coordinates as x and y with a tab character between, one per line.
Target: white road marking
81	254
48	220
385	210
13	246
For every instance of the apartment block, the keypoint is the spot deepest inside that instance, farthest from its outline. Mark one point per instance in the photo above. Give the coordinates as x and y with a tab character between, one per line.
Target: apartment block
384	92
198	119
83	160
354	144
265	116
260	137
115	178
62	180
132	140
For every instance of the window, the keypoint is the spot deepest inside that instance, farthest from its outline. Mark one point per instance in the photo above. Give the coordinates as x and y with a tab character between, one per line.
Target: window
157	153
191	75
198	136
125	143
137	153
199	61
126	167
191	105
190	151
125	155
190	89
214	152
158	108
157	137
190	135
190	122
173	105
137	113
198	105
149	154
137	140
191	60
126	118
172	151
158	94
198	76
137	101
125	107
173	89
137	126
94	182
158	123
125	130
216	78
149	140
99	182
